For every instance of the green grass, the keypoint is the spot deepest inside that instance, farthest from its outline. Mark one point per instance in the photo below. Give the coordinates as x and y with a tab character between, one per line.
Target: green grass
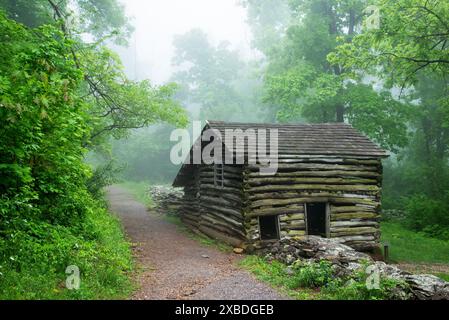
410	246
444	276
139	190
104	260
274	273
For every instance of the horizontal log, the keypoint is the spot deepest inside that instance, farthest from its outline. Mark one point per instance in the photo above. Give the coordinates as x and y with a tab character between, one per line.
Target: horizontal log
352	231
189	197
221	219
341	209
350	195
296	206
360	223
222	228
299	225
365	188
252	221
354	215
277	202
211	187
191	222
289	217
224	217
234	214
224	195
293	233
302	194
356	238
299	200
330	173
327	159
315	166
369	202
190	217
293	180
190	201
233	241
273	211
192	209
221	201
250	151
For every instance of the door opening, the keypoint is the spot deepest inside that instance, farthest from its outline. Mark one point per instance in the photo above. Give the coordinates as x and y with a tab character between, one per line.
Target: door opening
269	227
316	219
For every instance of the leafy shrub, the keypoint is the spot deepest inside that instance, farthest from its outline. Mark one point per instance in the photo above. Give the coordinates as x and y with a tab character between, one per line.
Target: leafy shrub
428	215
312	275
352	287
48	219
103	176
303	278
355	288
34	258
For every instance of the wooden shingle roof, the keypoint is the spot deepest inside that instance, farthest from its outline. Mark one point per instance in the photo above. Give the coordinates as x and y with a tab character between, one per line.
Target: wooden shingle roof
327	139
337	139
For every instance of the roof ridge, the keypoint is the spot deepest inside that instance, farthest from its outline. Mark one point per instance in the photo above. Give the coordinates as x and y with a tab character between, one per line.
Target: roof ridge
277	124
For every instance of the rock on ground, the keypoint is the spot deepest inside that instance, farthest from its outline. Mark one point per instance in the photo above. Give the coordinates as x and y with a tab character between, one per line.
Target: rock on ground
167	200
345	260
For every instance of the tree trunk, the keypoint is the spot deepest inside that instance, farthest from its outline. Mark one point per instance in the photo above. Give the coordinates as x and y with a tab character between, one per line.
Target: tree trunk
340	113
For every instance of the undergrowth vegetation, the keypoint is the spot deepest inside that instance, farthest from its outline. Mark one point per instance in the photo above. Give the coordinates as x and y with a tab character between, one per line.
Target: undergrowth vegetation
36	254
317	280
48	218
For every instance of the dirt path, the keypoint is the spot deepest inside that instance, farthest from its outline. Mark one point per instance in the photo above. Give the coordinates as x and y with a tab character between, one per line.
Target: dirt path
177	267
429	268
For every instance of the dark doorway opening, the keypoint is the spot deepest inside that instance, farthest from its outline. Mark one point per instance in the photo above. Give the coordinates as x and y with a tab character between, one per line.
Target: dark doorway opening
316	219
269	227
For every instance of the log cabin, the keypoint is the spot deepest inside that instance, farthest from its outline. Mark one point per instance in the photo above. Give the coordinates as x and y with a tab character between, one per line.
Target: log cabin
327	182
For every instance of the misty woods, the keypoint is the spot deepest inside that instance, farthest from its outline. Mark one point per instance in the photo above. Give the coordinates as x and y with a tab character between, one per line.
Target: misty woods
91	91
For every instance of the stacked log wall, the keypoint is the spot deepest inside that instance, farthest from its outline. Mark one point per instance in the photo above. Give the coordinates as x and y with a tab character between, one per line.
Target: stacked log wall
190	209
212	208
351	187
221	204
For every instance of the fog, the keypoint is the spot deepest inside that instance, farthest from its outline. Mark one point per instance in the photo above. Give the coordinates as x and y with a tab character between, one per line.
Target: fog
206	47
113	93
246	61
156	22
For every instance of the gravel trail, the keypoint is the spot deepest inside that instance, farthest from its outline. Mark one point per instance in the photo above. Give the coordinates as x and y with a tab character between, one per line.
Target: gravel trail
173	266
